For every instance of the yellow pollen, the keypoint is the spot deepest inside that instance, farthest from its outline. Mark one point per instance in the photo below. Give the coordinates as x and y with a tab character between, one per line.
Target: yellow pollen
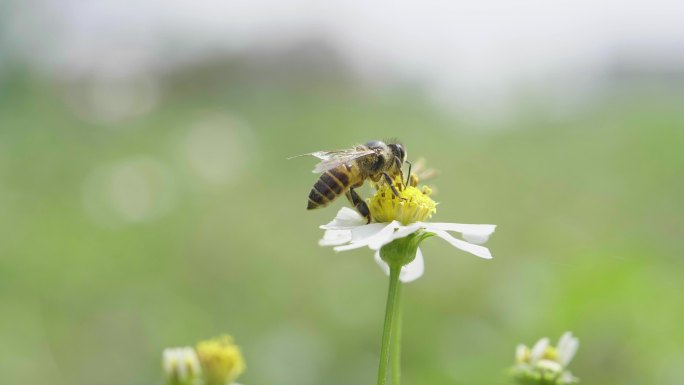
550	353
412	204
221	360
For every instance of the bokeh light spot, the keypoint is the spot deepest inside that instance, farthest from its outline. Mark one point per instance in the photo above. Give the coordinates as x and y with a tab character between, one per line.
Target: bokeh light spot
218	148
133	190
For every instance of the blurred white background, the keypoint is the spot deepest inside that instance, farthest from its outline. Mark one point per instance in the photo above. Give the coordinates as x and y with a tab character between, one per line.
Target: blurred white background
471	57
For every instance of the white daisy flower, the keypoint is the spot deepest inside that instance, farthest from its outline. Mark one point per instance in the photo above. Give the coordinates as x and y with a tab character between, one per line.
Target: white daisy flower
546	364
400	217
398	225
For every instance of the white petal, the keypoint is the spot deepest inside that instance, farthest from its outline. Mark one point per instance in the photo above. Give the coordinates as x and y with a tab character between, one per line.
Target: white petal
346	218
563	341
539	349
477	250
351	246
551	366
383	265
568	378
169	360
404	231
408	273
362	235
366	231
383	237
335	237
567	347
482	230
477	239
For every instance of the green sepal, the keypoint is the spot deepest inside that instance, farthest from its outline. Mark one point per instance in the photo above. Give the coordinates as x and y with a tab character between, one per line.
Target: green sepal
402	251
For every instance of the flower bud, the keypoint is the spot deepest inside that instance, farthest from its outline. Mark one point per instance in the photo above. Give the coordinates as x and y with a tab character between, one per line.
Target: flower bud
181	366
221	360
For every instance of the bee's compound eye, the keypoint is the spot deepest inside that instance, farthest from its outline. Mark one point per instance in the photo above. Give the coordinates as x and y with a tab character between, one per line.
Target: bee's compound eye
401	151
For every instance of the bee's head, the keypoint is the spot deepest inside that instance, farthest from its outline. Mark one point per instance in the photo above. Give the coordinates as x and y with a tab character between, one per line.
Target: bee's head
398	151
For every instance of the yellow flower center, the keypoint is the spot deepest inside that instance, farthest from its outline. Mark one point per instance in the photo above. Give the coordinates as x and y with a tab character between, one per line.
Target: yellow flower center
550	353
221	360
412	204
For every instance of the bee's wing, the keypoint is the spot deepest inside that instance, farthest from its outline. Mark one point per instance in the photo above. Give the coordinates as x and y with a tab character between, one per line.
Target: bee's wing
332	159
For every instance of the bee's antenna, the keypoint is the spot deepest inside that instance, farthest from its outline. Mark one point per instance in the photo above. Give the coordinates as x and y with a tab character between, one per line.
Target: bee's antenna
408	177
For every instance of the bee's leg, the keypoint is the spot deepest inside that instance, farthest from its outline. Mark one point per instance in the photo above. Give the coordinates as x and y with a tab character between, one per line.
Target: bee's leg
358	204
397	163
408	178
390	182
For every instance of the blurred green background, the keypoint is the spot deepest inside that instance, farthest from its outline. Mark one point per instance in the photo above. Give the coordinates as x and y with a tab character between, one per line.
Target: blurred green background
131	223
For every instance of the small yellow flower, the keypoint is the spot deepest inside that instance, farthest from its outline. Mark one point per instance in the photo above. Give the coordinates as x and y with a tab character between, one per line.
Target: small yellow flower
221	360
412	205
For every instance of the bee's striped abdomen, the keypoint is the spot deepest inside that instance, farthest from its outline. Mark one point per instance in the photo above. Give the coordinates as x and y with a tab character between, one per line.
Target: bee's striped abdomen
331	184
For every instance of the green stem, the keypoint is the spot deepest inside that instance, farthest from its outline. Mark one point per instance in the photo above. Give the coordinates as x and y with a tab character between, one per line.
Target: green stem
395	348
390	316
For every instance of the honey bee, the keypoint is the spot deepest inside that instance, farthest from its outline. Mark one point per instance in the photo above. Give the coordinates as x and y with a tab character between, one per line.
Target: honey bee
344	170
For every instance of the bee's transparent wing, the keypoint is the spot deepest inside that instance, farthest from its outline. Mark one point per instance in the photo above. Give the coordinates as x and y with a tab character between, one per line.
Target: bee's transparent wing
332	159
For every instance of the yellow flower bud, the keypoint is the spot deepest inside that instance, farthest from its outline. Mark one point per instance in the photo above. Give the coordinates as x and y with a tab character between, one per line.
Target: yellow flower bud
221	360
